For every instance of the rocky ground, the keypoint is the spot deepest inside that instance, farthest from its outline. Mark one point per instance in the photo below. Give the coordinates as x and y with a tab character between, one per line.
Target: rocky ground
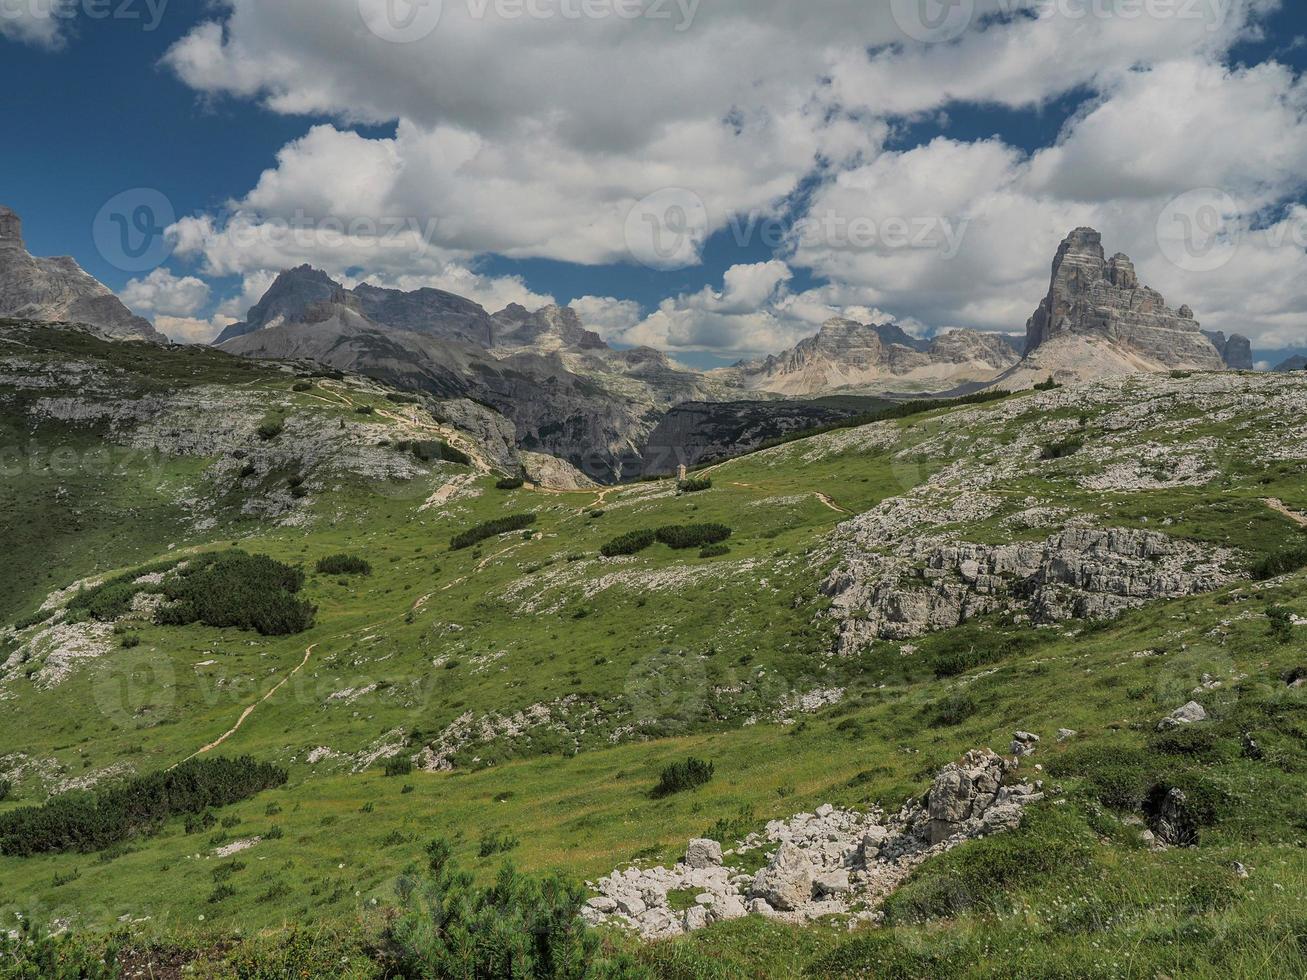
829	863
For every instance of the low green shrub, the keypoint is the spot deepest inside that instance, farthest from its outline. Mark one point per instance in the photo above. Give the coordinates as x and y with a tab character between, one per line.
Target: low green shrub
398	398
680	777
631	543
400	765
496	842
271	428
1281	619
971	646
343	565
519	926
235	589
301	386
952	709
6	787
715	551
693	536
491	529
696	484
1283	562
511	483
1052	844
35	619
93	821
32	955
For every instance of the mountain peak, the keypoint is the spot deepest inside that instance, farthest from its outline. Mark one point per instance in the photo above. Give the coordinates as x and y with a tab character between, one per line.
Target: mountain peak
58	290
1093	296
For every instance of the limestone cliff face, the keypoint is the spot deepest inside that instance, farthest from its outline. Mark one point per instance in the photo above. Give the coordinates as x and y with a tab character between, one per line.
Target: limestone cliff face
58	290
1235	350
846	354
1093	296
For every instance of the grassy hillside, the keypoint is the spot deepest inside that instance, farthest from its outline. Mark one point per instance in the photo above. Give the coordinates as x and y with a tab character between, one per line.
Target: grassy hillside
538	689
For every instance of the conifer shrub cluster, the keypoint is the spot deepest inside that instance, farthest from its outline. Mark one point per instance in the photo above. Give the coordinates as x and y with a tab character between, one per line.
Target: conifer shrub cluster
695	484
682	776
343	565
491	529
223	589
693	536
631	543
92	821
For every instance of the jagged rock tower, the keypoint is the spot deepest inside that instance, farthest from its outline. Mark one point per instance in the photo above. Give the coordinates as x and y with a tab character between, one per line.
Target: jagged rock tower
1094	296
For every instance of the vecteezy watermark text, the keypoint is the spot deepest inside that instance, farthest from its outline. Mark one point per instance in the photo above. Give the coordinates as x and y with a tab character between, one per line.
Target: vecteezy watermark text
149	13
942	21
408	21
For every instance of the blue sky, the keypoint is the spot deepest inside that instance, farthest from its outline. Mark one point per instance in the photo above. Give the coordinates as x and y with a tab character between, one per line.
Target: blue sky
201	107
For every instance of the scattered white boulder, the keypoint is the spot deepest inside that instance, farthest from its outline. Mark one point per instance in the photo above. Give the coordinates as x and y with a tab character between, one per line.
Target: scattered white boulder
703	853
1190	714
1024	744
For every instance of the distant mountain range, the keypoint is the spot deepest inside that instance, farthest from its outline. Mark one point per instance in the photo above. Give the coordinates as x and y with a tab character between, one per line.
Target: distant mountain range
847	355
569	394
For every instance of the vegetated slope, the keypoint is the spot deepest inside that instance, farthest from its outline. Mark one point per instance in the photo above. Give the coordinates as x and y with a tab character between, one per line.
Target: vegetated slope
538	690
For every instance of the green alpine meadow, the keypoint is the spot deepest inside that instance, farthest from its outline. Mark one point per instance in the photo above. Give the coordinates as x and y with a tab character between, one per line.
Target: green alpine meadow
368	727
653	490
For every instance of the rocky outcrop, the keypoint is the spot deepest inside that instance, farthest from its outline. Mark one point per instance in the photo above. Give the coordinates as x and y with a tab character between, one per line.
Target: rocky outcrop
1296	363
851	355
1098	319
58	290
1236	351
924	585
827	863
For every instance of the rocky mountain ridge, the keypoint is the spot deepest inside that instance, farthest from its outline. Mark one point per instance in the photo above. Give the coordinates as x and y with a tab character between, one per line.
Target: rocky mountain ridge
58	290
846	354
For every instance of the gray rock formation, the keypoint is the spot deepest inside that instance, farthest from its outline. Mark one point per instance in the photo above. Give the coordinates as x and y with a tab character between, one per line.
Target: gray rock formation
1296	363
852	355
1096	297
1076	574
828	863
58	290
1236	350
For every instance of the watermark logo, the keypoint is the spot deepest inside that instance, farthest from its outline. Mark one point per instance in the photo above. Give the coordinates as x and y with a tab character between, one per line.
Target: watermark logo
1200	230
401	21
933	21
131	230
667	229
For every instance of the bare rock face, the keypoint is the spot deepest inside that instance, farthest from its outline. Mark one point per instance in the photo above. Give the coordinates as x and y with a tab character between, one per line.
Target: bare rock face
1236	350
968	799
58	290
848	354
1075	574
1094	296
